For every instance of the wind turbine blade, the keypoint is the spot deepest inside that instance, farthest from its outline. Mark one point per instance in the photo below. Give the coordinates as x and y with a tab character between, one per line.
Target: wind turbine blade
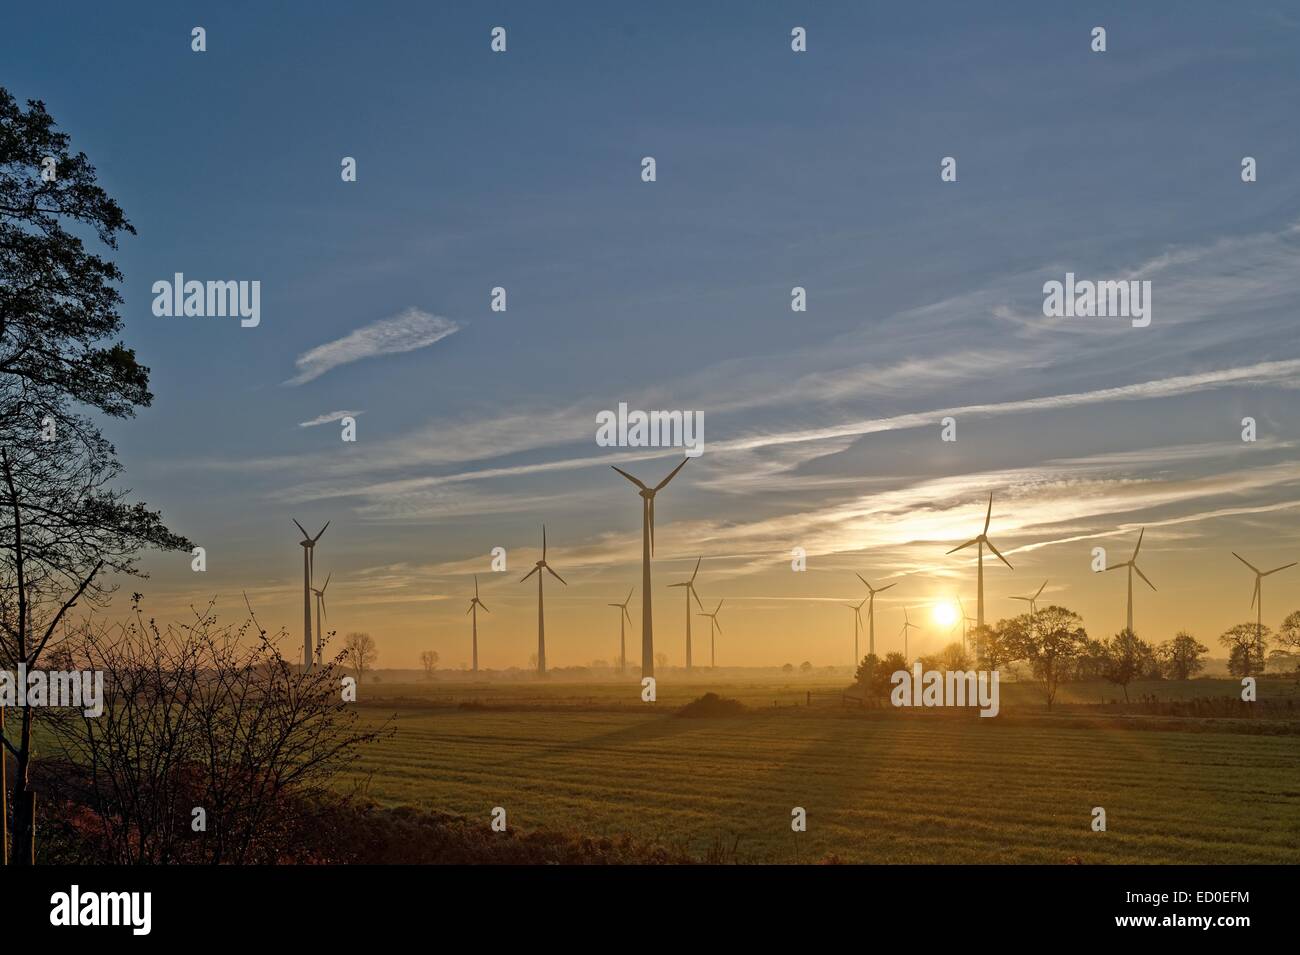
322	532
720	602
543	542
671	474
1143	576
1040	590
629	596
529	574
476	585
973	540
988	515
1245	561
630	478
998	552
1118	566
552	572
304	530
696	570
650	520
327	582
1141	533
697	598
1023	598
864	581
1276	569
471	607
484	606
1254	593
626	614
881	590
716	624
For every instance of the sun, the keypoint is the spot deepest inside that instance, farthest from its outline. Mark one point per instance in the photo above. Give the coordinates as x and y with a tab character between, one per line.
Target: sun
945	613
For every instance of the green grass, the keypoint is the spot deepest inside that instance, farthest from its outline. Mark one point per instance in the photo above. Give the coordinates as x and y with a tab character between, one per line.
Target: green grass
888	788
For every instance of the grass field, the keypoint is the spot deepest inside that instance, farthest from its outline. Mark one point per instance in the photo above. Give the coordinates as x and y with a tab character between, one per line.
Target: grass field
876	787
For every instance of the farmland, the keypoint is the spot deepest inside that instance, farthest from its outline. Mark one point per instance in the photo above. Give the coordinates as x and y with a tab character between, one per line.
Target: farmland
878	787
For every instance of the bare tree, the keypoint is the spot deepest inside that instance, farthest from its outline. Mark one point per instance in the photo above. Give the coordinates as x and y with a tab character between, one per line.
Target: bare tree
1051	640
1246	643
429	660
62	524
1181	657
1124	658
360	653
209	745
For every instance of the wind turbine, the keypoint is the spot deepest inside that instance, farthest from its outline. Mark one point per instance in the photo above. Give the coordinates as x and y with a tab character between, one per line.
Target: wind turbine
907	625
1033	602
1257	598
981	540
1131	564
713	623
690	590
857	623
320	612
541	617
871	611
625	618
474	604
308	550
965	619
647	548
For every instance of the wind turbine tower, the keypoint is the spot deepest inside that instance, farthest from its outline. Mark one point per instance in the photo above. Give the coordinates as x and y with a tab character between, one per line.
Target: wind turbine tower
1132	566
981	540
320	613
541	613
308	559
474	604
690	591
647	549
871	611
1257	598
713	624
625	618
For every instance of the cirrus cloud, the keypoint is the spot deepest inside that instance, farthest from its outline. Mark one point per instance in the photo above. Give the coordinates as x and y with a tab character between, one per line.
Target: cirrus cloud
406	331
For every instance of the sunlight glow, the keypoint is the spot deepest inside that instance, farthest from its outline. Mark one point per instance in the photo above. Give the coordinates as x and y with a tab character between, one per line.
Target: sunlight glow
945	614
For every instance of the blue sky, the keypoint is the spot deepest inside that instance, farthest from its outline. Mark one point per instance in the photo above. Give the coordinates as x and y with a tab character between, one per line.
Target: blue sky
774	169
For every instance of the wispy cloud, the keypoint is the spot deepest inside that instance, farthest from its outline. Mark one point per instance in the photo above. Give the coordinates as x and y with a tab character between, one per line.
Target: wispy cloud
403	332
328	417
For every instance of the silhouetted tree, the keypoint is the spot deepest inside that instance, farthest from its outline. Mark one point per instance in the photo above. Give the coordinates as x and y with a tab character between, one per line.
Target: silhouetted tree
198	717
995	644
1050	643
1246	645
360	652
64	525
429	660
1125	657
1181	656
